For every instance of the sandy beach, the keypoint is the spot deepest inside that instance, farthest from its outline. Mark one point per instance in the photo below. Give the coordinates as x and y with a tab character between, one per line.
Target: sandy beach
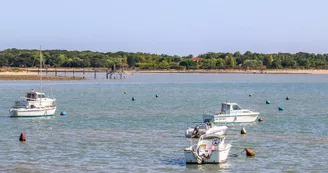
282	71
34	71
32	74
23	75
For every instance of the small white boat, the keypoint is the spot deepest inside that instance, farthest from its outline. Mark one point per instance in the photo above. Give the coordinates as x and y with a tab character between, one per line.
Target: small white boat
34	104
205	128
231	113
209	149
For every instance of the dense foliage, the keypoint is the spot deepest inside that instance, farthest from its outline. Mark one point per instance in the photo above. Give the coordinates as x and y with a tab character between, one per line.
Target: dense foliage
211	60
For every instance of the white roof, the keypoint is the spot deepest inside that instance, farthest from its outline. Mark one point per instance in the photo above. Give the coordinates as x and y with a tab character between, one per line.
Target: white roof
34	92
229	103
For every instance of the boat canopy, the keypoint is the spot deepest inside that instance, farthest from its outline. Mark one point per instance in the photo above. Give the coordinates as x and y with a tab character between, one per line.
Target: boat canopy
34	95
227	107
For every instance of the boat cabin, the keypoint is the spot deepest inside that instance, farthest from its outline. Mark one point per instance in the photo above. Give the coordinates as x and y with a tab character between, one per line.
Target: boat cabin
226	108
33	95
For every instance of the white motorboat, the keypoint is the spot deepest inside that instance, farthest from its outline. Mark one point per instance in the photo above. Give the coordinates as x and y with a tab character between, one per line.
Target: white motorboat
34	104
231	113
209	149
205	128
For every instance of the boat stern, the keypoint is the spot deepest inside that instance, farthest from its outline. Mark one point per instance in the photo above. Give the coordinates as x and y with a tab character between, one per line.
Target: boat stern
208	118
189	156
220	156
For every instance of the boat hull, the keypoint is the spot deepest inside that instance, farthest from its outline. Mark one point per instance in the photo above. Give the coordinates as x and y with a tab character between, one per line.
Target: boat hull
35	112
217	156
227	119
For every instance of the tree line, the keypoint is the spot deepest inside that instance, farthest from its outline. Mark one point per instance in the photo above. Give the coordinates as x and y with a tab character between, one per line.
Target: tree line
139	60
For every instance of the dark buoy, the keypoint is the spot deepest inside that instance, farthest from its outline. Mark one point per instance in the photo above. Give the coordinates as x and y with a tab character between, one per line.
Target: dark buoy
22	137
249	152
156	95
250	95
280	108
267	102
243	131
260	119
125	92
133	99
287	98
63	113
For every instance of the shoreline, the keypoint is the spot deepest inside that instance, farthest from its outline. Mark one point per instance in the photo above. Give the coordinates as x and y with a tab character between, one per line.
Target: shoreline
23	75
32	74
34	71
282	71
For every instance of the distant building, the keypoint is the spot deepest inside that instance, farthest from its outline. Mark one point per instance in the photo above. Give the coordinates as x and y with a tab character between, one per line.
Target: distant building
196	59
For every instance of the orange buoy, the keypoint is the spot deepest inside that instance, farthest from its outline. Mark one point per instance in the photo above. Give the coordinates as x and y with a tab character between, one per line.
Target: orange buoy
243	131
249	152
22	137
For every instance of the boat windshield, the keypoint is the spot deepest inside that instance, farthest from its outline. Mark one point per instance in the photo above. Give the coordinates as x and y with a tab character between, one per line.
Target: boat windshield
30	96
236	107
225	109
41	96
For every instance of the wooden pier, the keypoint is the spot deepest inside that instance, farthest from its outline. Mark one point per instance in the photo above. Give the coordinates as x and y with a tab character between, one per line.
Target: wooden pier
81	72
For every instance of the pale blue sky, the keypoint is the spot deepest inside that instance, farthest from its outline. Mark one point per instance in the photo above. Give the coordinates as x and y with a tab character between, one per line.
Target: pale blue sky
179	27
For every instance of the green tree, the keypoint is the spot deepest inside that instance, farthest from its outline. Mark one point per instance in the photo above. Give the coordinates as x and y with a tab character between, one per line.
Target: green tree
220	63
276	64
163	65
288	62
268	61
252	63
230	61
189	64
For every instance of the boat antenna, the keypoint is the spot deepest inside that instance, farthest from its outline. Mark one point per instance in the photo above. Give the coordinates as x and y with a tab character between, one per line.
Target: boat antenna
40	74
52	94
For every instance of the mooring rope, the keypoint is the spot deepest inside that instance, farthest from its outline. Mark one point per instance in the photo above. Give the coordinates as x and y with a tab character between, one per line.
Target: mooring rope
237	154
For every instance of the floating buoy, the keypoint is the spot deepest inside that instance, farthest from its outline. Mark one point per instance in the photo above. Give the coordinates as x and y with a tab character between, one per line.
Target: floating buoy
125	92
22	137
260	119
267	102
62	113
287	98
243	131
249	152
133	99
250	95
156	96
280	108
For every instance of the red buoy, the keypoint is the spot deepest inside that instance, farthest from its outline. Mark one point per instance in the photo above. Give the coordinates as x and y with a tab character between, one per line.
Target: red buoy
249	152
22	137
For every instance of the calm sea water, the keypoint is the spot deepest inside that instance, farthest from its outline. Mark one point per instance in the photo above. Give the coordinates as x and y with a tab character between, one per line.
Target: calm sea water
104	131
